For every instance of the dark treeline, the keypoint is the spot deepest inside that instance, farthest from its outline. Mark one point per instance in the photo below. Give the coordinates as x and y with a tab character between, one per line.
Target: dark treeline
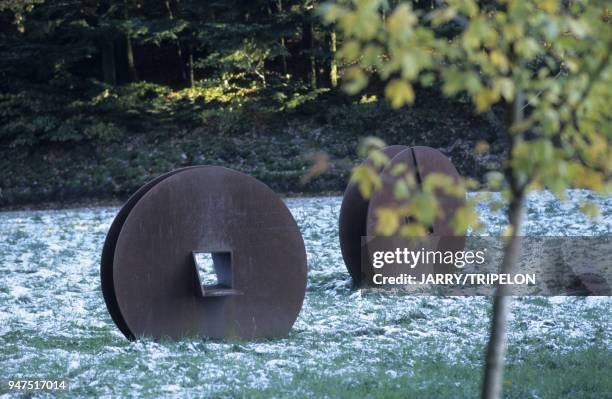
97	96
175	42
172	42
68	45
61	60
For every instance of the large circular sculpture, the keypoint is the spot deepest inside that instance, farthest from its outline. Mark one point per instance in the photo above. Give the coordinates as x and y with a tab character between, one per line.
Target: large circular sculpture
358	215
353	220
149	274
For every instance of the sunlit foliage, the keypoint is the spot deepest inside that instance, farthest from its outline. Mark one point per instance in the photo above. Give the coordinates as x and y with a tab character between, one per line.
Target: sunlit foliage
555	55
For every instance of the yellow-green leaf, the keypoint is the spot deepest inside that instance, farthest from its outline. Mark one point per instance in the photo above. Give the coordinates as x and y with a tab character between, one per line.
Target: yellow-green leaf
399	92
387	221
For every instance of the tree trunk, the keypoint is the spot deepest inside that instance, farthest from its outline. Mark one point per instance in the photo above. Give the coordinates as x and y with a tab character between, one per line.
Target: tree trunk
496	349
308	48
131	65
179	56
284	57
108	62
333	68
179	50
313	61
132	72
502	302
191	69
279	5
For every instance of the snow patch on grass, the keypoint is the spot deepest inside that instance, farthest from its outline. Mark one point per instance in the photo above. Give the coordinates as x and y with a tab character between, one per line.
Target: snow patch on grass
53	321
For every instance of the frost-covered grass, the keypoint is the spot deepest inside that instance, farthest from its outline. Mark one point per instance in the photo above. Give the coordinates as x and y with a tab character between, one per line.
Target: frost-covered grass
345	343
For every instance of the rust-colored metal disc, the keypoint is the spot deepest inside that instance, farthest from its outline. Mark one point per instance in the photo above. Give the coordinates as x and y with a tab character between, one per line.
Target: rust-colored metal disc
429	160
358	215
108	254
385	197
256	245
352	222
420	162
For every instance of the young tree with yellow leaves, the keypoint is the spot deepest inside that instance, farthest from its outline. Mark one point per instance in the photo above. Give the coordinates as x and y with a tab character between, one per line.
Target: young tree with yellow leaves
546	61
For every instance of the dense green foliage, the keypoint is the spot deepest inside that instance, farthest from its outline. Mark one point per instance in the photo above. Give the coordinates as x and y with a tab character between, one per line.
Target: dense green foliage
87	79
547	62
275	147
73	70
96	97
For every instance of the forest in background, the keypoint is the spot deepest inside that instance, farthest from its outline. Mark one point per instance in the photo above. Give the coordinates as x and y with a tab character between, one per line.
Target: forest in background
97	97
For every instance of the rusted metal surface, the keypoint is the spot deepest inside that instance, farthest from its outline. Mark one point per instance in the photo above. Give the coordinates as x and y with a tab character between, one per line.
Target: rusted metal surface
385	197
420	162
108	253
358	216
352	221
429	160
257	249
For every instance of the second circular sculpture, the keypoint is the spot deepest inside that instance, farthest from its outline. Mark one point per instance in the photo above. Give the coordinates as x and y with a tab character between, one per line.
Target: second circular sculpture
358	214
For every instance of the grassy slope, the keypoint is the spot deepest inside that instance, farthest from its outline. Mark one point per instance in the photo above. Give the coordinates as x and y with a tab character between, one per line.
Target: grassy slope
269	139
544	374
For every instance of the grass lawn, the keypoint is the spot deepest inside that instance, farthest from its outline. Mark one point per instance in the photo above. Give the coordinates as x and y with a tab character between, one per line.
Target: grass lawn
345	343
